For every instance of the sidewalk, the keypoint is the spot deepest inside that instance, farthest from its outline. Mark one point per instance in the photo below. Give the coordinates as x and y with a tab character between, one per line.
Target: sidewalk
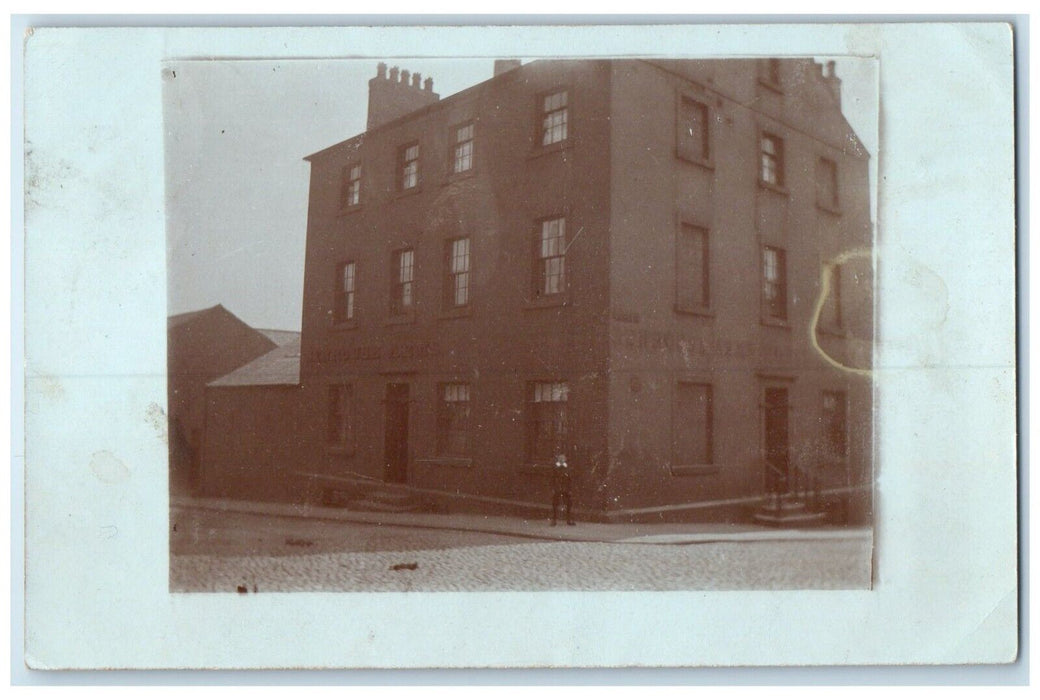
623	533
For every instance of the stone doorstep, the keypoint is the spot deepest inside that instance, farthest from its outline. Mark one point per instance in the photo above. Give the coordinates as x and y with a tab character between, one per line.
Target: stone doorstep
387	496
792	506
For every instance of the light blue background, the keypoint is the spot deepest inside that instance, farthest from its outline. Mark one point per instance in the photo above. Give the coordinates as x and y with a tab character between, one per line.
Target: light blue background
95	357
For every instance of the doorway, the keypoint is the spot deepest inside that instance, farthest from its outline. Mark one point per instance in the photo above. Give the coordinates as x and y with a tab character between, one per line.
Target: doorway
396	443
776	439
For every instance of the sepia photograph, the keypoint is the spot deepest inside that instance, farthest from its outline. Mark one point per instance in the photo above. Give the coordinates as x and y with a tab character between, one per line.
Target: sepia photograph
686	347
484	325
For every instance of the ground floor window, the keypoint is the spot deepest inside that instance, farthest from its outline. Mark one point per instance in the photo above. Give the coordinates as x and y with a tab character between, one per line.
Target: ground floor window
340	425
546	420
453	420
692	424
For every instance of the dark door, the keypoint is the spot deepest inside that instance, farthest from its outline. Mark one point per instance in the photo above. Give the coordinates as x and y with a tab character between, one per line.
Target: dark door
396	448
776	439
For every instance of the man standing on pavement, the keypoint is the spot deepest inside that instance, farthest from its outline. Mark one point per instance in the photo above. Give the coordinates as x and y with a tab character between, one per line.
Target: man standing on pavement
561	488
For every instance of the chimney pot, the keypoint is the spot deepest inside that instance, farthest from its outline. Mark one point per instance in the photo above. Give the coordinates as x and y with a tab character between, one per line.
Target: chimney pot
381	70
399	94
830	69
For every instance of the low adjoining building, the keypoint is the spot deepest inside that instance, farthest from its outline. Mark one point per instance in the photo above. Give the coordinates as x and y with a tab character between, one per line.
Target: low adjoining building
201	346
253	446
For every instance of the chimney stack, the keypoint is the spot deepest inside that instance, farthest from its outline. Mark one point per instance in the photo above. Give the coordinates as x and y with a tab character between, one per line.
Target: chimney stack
831	79
395	93
504	65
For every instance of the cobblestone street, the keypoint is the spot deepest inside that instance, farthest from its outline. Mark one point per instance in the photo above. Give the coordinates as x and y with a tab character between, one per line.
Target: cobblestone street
265	555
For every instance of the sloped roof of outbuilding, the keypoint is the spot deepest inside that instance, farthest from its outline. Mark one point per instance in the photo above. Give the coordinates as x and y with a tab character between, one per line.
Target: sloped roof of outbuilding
279	367
279	337
188	316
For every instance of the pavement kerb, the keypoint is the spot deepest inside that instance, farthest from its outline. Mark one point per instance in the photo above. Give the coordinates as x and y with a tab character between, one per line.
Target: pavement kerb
584	532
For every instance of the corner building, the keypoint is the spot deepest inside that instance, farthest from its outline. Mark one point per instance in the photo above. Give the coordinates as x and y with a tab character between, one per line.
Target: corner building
621	260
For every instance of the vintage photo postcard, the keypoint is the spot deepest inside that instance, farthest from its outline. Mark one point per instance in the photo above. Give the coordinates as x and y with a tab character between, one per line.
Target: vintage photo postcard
631	298
398	343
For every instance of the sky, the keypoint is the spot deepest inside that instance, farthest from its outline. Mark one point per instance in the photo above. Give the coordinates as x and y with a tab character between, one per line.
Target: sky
236	133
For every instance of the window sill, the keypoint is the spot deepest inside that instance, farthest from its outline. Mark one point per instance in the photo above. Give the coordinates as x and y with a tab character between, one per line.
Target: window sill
401	319
548	302
704	312
452	178
778	189
694	469
557	147
339	450
775	322
339	326
694	159
461	462
832	330
400	194
829	208
460	312
343	211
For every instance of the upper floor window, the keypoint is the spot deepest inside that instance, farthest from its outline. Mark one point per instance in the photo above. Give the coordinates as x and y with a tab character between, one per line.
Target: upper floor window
694	135
350	194
453	421
546	420
774	283
835	424
549	269
827	183
408	162
554	118
772	160
339	430
343	303
457	281
463	149
834	310
692	283
403	276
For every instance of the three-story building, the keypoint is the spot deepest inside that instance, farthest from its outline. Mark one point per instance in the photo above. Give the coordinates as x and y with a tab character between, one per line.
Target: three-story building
621	260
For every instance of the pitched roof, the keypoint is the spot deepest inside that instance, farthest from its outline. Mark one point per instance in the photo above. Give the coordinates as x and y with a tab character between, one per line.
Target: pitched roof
279	337
181	319
279	367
